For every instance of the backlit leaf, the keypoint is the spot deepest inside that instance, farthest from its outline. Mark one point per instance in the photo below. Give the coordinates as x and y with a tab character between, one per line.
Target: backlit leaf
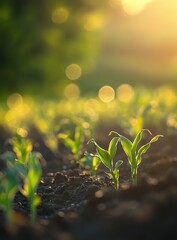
118	164
103	155
145	147
138	139
126	145
66	140
112	149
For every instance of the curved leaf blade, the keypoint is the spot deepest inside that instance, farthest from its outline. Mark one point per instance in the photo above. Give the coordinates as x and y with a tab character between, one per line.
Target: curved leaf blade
138	139
118	164
66	140
145	147
127	146
112	149
103	155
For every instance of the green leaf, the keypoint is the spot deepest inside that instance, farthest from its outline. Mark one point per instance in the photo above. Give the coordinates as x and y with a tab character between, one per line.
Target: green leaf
118	163
11	182
110	175
127	146
112	149
34	172
145	147
22	147
67	141
116	174
103	155
36	201
137	140
86	161
78	135
95	162
21	169
9	157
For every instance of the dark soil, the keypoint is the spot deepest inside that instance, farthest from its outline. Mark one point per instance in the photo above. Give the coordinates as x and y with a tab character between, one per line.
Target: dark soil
76	206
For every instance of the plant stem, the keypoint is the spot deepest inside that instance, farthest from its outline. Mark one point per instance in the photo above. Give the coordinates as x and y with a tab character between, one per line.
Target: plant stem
33	208
33	214
116	184
8	211
134	175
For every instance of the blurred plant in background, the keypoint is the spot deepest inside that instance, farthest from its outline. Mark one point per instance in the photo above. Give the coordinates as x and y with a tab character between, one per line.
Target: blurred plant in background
146	108
67	48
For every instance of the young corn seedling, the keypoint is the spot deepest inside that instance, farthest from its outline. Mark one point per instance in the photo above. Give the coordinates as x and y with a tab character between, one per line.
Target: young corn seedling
92	161
22	148
76	144
31	181
134	152
8	186
28	170
106	157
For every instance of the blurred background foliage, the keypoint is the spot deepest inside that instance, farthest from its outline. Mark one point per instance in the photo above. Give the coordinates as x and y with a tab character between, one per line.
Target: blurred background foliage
54	48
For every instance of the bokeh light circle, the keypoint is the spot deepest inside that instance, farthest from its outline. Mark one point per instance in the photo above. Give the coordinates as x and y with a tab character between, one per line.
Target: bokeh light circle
72	91
73	71
106	94
125	92
60	15
14	100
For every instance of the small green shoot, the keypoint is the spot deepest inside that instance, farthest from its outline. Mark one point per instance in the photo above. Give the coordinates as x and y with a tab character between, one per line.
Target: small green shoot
29	169
8	188
31	182
76	144
22	173
92	161
106	157
134	154
22	147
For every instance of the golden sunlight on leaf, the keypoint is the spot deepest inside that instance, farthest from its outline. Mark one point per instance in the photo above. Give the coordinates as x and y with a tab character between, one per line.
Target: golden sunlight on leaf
106	94
125	92
22	132
72	91
60	15
133	7
73	71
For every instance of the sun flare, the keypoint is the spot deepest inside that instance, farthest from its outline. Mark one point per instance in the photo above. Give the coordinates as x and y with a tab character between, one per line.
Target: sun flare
133	7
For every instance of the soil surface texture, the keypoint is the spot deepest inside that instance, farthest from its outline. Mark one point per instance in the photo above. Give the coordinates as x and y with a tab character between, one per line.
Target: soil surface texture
76	206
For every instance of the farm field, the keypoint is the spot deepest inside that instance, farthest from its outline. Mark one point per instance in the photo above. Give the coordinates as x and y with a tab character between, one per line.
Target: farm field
64	177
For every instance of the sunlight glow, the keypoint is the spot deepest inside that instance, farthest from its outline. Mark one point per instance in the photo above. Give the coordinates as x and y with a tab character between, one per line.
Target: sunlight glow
114	3
171	122
72	91
73	71
60	15
18	112
91	106
93	22
22	132
133	7
125	92
106	94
